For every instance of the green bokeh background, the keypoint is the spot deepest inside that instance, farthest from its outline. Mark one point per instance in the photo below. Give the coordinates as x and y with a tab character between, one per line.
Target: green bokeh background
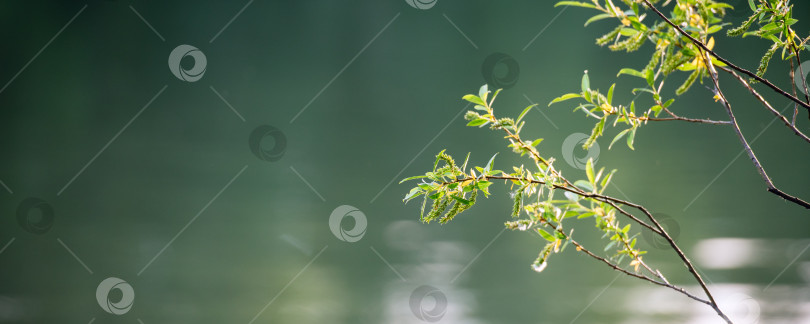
398	100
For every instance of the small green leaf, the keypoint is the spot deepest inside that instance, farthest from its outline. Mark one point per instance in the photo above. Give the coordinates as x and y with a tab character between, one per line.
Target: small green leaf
565	97
589	172
631	137
632	72
546	235
618	136
474	99
586	82
524	112
610	94
477	122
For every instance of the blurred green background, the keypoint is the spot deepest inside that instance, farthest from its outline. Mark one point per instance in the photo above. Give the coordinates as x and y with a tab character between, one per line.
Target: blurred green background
170	198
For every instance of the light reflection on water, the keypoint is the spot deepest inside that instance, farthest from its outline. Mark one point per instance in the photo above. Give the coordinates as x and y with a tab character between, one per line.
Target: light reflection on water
433	263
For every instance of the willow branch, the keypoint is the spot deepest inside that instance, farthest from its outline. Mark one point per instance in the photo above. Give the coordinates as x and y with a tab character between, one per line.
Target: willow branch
767	105
721	59
632	274
771	187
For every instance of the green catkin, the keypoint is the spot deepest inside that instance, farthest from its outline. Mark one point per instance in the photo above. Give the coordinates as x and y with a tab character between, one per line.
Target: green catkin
605	39
688	83
766	59
518	203
744	27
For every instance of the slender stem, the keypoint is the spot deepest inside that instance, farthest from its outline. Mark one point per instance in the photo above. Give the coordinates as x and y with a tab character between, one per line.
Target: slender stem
721	59
767	105
691	120
771	187
622	270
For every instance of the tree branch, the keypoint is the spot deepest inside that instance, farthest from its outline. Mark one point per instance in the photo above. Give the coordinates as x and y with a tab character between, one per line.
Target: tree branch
767	105
721	59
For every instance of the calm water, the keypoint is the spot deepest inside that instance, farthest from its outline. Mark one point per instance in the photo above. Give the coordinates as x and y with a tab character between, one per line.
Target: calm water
211	200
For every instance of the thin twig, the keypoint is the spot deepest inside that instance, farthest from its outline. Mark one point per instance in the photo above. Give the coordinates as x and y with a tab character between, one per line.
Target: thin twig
767	105
771	187
721	59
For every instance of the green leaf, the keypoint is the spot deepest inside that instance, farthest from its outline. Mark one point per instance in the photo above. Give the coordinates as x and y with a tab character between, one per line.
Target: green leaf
483	92
524	112
546	235
610	94
477	122
632	72
489	164
537	142
589	172
575	4
586	82
619	136
461	200
598	17
565	97
474	99
631	137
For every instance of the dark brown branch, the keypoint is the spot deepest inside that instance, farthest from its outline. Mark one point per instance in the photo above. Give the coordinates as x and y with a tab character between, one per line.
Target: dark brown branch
721	59
632	274
771	187
767	105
